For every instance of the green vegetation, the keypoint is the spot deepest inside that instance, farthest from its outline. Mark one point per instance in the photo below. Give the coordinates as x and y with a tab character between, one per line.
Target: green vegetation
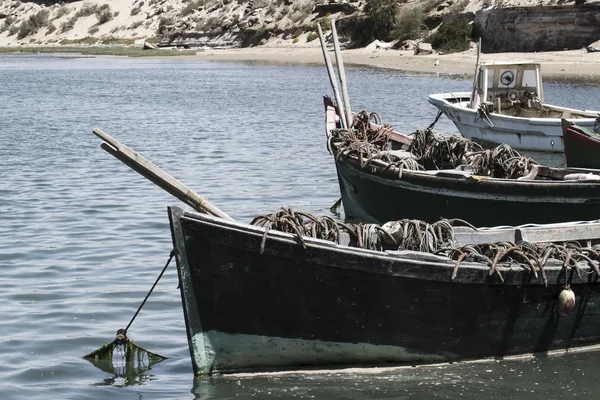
163	25
32	24
103	13
136	24
430	5
378	22
121	41
85	40
117	29
13	29
260	4
8	22
311	36
451	37
325	23
254	37
300	10
458	6
409	24
263	34
97	50
61	12
191	6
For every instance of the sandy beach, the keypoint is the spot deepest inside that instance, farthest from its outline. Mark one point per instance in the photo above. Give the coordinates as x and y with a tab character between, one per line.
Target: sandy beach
569	63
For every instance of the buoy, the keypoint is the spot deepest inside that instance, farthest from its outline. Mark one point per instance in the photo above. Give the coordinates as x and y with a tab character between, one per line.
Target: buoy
565	302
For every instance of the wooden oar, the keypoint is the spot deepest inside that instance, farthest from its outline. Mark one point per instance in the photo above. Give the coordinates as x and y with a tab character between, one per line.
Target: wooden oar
476	74
333	79
340	64
157	176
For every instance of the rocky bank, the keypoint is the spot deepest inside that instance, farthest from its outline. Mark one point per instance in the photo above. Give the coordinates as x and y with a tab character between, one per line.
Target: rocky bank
509	25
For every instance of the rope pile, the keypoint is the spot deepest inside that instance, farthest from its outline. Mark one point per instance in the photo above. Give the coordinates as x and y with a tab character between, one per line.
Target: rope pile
437	238
500	162
429	151
300	223
400	235
526	254
438	151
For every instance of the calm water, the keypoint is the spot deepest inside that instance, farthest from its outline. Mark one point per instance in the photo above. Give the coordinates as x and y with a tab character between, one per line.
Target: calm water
82	237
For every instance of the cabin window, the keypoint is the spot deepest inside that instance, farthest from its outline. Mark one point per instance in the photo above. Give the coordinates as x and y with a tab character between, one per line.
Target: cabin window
529	79
490	78
507	78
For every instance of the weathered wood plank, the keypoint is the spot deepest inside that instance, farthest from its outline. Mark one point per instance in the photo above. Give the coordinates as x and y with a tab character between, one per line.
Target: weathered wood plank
157	176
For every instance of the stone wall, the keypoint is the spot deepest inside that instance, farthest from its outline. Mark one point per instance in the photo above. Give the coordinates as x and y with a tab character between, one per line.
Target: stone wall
528	29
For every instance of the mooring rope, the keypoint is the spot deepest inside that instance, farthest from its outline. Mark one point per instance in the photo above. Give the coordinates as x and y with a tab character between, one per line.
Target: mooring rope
130	350
484	115
171	255
437	117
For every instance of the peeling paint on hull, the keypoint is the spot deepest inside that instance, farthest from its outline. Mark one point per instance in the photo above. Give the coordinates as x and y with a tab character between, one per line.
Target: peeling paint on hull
216	352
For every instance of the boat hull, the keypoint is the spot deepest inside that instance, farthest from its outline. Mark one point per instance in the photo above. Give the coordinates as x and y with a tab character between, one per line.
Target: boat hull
332	305
581	149
375	197
533	134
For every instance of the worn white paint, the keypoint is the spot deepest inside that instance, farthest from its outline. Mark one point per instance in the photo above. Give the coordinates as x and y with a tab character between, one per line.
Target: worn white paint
540	134
503	85
223	352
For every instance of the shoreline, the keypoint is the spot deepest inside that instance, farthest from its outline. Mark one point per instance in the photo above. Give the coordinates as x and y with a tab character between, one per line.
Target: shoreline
567	64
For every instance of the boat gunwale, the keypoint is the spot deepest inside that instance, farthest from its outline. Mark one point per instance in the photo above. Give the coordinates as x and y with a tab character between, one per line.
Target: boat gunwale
577	132
438	99
422	265
469	180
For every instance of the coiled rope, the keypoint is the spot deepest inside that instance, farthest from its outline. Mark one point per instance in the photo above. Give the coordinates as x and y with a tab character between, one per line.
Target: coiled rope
437	238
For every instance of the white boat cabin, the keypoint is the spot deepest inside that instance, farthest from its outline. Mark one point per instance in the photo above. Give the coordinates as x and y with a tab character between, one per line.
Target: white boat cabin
515	89
503	86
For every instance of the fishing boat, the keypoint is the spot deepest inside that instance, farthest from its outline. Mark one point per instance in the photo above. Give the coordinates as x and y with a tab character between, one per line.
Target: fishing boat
328	304
290	290
506	105
582	146
386	181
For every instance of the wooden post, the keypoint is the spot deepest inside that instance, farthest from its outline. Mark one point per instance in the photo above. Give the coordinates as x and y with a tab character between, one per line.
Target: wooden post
340	65
476	75
332	78
157	176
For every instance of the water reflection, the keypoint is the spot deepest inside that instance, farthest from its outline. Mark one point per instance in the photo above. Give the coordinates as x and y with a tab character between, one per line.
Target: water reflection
82	236
549	377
